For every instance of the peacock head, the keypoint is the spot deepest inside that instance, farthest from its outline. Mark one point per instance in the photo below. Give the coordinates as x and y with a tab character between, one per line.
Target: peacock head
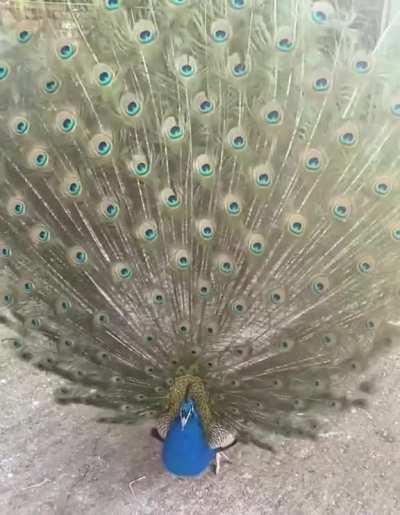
186	411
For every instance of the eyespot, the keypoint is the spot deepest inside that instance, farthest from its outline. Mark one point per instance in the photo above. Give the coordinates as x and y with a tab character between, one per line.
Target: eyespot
204	288
239	307
109	209
329	339
362	64
5	251
237	140
40	234
66	122
6	299
237	4
173	130
24	35
39	158
130	105
170	198
178	3
112	5
220	31
103	75
341	209
4	71
101	319
395	107
296	224
285	41
101	145
277	296
139	166
182	260
312	160
238	67
322	13
203	104
145	32
204	166
382	187
272	114
19	125
225	265
72	187
63	305
66	50
158	298
232	205
395	231
285	345
148	231
263	176
186	67
206	229
122	272
184	328
256	244
149	338
321	81
366	264
319	285
348	135
16	207
77	256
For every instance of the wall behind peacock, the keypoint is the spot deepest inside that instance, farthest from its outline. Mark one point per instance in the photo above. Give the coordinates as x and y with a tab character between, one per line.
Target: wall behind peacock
59	461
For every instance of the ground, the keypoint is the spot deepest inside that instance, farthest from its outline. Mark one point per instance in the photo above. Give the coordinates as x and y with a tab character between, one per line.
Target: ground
57	460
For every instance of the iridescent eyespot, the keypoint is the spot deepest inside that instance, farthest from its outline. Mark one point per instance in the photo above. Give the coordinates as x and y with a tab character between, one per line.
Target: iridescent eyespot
239	307
232	205
319	16
24	36
239	70
122	272
313	164
225	265
187	70
111	5
109	209
206	170
238	142
348	135
237	4
204	288
321	84
74	188
296	225
141	168
256	244
220	36
175	132
50	86
206	106
206	229
382	189
347	138
395	109
28	287
7	299
68	125
273	117
277	296
21	126
77	256
158	298
170	198
101	318
104	148
395	233
285	44
341	209
105	78
150	234
17	207
319	285
5	252
125	272
43	235
4	71
182	260
41	159
146	36
67	51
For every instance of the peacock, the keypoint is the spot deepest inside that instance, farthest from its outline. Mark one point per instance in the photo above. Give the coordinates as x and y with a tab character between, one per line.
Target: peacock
200	210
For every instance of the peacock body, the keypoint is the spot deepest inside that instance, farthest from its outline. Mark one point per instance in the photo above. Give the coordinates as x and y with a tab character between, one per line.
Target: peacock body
199	212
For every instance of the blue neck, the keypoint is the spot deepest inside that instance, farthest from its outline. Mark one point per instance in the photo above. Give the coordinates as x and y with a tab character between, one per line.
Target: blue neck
186	451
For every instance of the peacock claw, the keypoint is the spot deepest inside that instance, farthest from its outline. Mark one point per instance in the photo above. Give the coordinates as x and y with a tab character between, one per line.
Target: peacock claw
218	460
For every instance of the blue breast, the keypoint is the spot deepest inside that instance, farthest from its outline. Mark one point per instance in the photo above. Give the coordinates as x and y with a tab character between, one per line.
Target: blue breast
186	452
